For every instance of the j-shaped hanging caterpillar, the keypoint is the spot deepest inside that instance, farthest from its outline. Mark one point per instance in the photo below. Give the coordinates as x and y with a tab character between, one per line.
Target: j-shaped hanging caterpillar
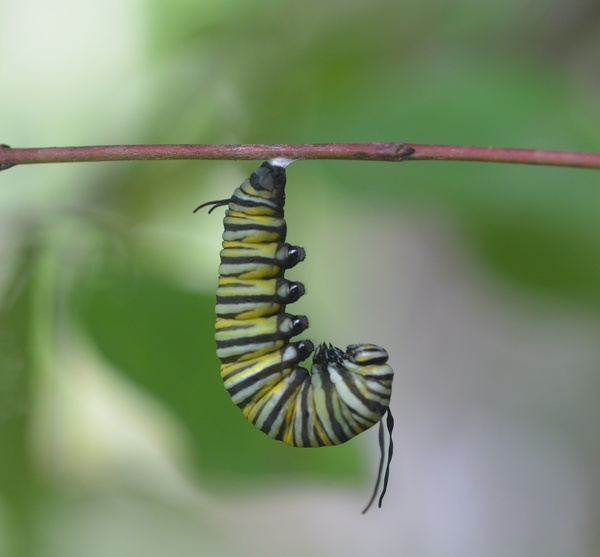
345	393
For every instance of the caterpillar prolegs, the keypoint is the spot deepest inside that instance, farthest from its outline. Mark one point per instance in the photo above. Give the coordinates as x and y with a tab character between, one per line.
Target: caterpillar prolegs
345	392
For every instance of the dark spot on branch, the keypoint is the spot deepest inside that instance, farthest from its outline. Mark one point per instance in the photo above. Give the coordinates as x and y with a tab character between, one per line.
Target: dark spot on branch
404	152
5	165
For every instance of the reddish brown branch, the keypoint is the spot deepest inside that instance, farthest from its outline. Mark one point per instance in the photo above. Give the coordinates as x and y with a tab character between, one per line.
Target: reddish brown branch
503	155
394	152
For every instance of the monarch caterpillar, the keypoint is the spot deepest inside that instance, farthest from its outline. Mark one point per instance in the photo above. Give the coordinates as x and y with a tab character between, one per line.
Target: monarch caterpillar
345	392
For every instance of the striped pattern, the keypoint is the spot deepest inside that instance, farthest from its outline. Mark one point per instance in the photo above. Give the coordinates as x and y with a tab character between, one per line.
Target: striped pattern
344	393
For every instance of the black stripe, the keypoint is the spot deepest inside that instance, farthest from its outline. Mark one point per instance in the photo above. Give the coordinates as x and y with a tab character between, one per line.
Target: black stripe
254	378
379	378
236	357
351	422
379	394
316	432
245	259
250	299
251	204
280	406
329	390
304	402
335	425
255	339
231	227
349	381
239	273
375	361
243	366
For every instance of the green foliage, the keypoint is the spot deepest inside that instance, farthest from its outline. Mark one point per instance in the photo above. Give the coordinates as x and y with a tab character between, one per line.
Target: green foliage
17	478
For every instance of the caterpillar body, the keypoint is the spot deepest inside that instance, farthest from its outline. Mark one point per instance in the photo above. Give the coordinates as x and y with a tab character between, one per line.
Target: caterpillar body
345	392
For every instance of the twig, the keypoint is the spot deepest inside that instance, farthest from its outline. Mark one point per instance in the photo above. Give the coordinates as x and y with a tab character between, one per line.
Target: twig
394	152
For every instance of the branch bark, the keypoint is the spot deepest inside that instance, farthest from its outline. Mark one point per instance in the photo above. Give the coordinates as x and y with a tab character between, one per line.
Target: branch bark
393	152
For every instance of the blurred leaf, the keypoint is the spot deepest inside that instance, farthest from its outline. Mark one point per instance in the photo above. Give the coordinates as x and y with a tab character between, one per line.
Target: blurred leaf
18	481
559	261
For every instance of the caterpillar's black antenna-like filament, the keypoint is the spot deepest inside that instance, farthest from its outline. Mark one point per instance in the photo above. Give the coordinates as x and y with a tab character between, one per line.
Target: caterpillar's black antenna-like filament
390	428
379	468
215	204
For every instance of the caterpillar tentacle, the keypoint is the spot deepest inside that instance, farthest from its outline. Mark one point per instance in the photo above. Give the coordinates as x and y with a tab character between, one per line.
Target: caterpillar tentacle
345	392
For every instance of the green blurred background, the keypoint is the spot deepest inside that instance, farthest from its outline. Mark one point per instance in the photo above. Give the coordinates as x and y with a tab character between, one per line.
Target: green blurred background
116	435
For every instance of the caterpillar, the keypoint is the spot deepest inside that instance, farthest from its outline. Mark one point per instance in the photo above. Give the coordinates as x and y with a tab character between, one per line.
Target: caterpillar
345	392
